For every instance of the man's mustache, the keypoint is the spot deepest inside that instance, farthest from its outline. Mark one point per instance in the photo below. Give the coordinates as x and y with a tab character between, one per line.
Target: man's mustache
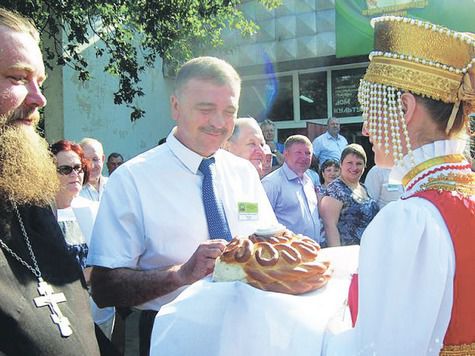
213	130
27	113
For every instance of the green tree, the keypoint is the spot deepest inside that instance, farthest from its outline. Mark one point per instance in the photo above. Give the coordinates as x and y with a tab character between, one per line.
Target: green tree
133	33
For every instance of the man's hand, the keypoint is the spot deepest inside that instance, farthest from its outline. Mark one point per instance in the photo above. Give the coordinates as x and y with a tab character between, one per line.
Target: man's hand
128	287
272	146
201	263
278	156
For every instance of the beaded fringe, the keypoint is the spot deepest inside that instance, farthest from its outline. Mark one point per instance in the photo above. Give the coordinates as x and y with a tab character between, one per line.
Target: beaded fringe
382	107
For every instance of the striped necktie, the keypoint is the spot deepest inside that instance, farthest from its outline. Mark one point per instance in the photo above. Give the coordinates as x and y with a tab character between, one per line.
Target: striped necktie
215	216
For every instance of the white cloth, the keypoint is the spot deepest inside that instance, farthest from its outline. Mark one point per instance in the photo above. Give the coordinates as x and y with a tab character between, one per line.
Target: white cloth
235	319
68	222
406	272
152	213
85	211
89	192
327	147
379	188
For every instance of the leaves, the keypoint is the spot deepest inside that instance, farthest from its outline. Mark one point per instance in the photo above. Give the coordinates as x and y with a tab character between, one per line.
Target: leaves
132	34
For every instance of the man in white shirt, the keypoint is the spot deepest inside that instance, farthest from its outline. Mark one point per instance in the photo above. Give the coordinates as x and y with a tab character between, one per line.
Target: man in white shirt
92	191
330	144
94	152
151	238
248	142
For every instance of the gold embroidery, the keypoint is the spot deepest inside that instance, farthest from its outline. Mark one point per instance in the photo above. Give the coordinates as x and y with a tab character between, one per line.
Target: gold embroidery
434	82
458	350
463	183
422	40
421	167
420	57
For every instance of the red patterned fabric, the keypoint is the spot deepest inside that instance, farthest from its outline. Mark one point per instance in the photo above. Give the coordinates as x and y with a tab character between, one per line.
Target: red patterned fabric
458	213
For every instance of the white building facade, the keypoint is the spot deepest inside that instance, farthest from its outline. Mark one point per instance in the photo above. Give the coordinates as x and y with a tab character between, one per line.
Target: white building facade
290	75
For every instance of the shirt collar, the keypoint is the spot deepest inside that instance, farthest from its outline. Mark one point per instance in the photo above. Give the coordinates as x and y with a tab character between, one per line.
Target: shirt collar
189	158
330	137
423	153
290	174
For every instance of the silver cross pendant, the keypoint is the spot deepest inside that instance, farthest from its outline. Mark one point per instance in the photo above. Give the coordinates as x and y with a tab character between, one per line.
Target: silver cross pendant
49	298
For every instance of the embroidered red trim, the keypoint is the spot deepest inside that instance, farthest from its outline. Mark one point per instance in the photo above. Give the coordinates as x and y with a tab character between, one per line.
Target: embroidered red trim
435	170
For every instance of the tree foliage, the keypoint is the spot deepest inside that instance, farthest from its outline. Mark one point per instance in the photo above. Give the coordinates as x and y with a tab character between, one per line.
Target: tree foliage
132	33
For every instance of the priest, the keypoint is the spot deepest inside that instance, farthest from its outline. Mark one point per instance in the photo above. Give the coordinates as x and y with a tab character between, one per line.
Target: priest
44	308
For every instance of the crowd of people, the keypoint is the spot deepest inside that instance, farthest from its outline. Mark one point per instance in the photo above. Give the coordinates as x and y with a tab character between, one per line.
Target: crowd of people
86	244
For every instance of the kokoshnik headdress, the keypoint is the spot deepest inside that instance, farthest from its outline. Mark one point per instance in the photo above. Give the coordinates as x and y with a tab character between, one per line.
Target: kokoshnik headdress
420	57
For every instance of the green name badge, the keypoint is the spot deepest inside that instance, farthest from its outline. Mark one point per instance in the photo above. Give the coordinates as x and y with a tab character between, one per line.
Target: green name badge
247	211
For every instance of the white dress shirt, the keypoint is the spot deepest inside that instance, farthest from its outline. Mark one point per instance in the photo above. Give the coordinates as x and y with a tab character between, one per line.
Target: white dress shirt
89	192
406	272
152	213
84	211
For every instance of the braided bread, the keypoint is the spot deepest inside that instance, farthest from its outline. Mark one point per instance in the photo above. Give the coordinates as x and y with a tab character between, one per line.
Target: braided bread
284	262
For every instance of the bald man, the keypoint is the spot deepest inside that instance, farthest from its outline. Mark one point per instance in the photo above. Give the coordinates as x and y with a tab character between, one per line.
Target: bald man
247	141
94	152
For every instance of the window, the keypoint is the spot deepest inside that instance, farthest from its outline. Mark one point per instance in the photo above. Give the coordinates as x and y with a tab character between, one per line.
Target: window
345	85
323	93
313	96
283	134
267	98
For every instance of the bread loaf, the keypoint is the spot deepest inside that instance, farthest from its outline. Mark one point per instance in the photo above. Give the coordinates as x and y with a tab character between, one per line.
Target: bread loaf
283	262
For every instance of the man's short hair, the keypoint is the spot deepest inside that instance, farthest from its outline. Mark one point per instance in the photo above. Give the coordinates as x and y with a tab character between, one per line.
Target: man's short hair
239	123
91	142
297	139
267	122
331	119
16	22
207	68
115	155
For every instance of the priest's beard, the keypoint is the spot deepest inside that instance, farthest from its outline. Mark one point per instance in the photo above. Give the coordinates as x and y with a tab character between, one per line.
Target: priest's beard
27	171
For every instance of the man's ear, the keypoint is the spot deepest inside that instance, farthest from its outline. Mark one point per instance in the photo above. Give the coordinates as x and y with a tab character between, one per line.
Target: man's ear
226	145
285	154
409	103
174	107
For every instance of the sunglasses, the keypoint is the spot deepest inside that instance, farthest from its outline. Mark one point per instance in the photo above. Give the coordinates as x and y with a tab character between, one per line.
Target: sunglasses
67	170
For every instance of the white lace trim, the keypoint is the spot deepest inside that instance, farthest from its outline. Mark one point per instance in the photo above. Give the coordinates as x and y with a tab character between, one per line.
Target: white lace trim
424	153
